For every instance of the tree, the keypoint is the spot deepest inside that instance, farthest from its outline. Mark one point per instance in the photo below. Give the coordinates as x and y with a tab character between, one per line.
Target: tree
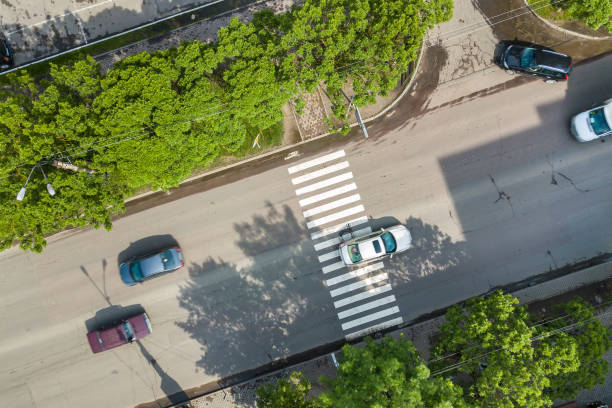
592	340
286	393
38	121
594	13
498	357
389	373
367	44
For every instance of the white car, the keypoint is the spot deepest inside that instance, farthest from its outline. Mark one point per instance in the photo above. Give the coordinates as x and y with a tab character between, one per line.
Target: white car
386	242
594	123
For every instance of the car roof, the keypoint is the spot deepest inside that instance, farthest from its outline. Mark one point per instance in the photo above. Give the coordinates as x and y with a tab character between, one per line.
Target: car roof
114	336
553	60
151	265
367	248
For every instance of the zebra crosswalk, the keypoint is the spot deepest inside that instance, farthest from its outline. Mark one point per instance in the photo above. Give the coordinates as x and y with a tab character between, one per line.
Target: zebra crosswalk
329	200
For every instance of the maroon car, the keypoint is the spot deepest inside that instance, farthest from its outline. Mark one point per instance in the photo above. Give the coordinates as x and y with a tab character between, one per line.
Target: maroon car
120	333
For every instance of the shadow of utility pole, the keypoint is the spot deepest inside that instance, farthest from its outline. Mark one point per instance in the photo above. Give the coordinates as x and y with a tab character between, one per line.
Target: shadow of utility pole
174	392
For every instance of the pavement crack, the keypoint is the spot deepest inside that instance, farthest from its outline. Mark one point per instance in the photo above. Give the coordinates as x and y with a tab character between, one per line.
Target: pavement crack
554	181
502	195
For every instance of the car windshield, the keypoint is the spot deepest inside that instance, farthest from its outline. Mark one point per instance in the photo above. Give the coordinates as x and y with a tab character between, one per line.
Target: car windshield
353	251
135	271
527	58
128	331
389	241
598	121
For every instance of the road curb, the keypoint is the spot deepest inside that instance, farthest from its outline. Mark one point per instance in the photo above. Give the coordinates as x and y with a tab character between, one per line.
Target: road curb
564	30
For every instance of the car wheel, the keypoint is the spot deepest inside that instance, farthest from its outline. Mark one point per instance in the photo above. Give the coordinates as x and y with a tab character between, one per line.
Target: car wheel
510	72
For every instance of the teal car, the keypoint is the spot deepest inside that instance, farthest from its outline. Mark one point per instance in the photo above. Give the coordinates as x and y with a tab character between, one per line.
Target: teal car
150	266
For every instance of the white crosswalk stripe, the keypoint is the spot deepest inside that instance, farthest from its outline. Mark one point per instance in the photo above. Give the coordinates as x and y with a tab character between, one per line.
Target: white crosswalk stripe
370	317
335	216
358	285
331	196
333	267
337	240
377	327
336	228
316	162
361	296
354	274
330	206
366	306
328	194
318	173
325	183
330	255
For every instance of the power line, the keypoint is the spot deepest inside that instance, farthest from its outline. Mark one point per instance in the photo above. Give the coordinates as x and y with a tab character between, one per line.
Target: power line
531	339
340	68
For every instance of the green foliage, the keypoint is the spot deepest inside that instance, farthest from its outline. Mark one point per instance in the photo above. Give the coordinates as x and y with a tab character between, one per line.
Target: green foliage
594	13
389	373
154	117
505	363
592	341
286	393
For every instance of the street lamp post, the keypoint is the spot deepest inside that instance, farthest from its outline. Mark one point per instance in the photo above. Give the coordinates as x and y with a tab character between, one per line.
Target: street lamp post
50	189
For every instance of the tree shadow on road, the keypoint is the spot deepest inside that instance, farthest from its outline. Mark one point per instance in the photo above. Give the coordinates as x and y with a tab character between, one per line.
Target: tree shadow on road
242	314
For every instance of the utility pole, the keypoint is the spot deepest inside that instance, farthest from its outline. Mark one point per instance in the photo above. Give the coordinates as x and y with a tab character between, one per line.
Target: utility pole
358	116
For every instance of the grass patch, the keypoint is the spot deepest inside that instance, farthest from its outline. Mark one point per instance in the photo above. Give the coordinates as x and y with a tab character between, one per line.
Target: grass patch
269	138
548	11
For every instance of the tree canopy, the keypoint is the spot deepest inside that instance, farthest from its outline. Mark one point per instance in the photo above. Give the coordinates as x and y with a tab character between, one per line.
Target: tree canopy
503	362
155	117
389	373
594	13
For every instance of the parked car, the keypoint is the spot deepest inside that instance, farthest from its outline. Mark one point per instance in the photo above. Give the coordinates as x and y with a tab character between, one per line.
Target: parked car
6	55
386	242
150	266
534	60
120	333
593	124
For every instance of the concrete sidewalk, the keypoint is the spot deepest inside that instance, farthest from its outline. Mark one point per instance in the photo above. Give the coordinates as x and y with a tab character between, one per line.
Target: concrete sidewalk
38	28
243	395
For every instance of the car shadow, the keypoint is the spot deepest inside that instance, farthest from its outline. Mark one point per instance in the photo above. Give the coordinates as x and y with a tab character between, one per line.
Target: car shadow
109	315
145	246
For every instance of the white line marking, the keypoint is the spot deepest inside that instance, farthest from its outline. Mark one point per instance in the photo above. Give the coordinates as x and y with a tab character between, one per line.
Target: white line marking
375	328
60	16
327	244
366	306
326	231
369	318
330	206
319	173
354	274
324	183
333	267
363	295
316	162
330	255
328	194
358	285
335	216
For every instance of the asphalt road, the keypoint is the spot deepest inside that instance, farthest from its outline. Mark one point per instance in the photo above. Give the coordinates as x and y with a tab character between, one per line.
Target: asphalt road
494	190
